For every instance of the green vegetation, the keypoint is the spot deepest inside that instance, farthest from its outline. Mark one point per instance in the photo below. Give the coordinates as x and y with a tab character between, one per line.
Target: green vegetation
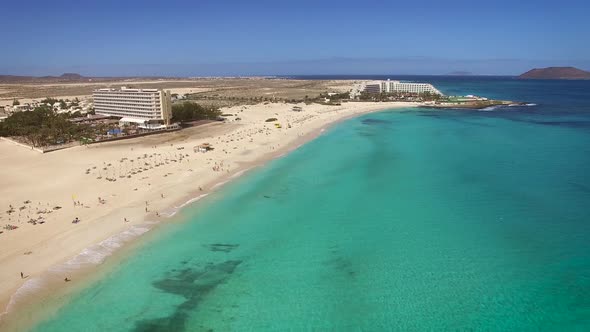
188	111
216	99
400	96
42	127
15	102
76	114
63	104
332	99
336	96
49	101
270	120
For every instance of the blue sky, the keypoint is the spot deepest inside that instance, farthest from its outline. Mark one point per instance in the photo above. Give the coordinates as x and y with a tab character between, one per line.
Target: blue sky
201	38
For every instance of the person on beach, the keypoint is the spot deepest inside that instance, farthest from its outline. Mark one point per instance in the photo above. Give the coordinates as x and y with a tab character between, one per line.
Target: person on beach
125	220
22	276
66	279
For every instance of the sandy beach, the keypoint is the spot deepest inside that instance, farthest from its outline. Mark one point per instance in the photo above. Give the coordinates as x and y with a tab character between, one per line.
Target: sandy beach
113	188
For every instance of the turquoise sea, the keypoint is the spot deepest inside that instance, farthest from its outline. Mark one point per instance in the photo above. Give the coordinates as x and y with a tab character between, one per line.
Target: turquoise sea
413	220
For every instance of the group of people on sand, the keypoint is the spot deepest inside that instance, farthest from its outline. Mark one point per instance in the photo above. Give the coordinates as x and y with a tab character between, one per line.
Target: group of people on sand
22	276
218	167
129	167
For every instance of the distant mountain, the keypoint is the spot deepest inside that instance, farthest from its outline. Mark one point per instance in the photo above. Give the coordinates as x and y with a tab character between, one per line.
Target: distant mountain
556	73
71	76
34	79
460	73
65	78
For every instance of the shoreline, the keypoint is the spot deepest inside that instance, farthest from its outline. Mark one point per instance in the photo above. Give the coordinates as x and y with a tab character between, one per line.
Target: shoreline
112	248
476	105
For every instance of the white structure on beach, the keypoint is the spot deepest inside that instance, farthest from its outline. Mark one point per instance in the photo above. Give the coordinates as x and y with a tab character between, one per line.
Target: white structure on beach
390	86
150	108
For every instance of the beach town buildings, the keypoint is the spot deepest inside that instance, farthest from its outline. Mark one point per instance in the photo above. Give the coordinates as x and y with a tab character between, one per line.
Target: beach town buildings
390	86
147	108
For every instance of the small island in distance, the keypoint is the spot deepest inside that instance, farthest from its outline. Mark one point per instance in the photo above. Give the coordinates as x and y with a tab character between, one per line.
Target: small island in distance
556	73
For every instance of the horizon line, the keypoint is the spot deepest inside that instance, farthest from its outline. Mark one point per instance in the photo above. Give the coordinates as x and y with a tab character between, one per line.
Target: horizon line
253	76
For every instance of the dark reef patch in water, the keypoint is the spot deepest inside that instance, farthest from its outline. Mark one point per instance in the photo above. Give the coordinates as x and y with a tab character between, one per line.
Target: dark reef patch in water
569	124
580	187
374	122
221	247
366	134
430	114
462	116
341	264
577	124
192	284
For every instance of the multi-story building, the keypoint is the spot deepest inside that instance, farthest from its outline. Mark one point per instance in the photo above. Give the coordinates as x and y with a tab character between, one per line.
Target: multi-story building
373	87
150	108
397	86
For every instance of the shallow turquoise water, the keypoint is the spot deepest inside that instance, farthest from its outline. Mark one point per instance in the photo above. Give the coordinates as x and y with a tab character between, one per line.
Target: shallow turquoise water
412	220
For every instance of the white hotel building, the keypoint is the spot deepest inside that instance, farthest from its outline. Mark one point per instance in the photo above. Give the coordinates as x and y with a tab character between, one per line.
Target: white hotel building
397	86
150	108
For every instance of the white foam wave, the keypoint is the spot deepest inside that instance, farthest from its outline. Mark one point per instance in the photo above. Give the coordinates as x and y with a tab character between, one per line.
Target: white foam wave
488	109
97	254
493	108
169	213
29	288
192	200
240	173
173	211
219	184
93	255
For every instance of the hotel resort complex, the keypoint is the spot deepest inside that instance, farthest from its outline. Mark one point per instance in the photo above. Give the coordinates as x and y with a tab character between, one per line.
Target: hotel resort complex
390	86
148	108
131	112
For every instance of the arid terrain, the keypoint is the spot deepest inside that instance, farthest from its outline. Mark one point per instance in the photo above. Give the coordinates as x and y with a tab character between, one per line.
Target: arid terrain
215	91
